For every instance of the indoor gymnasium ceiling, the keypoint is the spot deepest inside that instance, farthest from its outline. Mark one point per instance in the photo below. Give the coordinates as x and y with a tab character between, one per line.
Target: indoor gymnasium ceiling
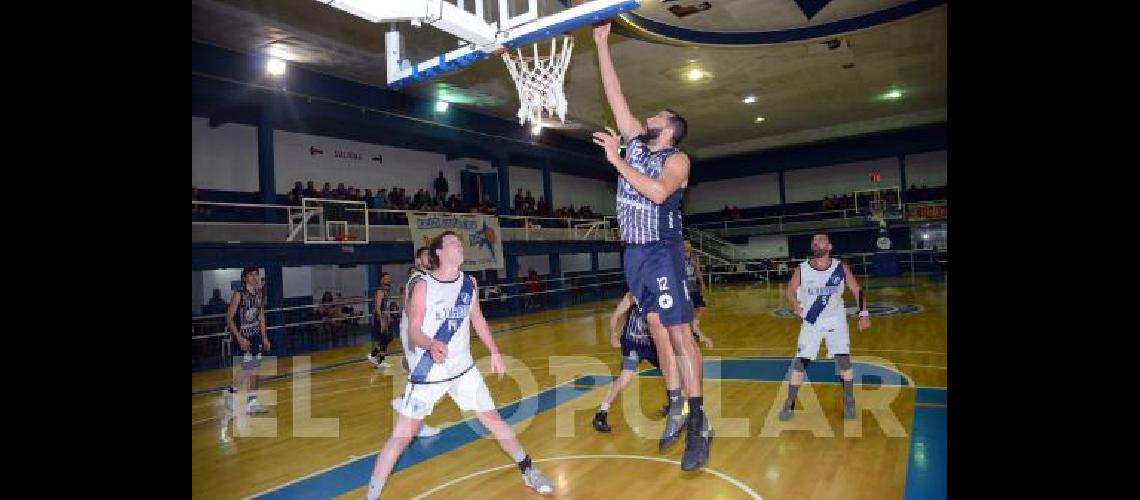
805	88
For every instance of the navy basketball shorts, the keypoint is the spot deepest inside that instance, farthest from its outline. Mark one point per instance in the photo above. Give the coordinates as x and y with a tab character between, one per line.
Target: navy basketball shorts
633	353
697	298
655	274
251	359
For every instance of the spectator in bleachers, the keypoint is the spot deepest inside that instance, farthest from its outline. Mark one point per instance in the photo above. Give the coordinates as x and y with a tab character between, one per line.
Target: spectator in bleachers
912	193
296	194
532	287
441	186
217	304
340	191
726	213
381	199
543	207
368	198
519	201
529	203
327	191
310	191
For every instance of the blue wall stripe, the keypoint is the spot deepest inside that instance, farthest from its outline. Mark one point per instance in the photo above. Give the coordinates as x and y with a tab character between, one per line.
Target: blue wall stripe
680	34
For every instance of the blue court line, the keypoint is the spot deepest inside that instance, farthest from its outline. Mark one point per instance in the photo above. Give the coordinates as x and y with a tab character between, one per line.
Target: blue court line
316	369
346	477
349	476
926	468
930	395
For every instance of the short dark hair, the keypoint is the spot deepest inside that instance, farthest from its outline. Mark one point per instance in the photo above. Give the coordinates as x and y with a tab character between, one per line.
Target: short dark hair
437	244
818	233
246	270
680	127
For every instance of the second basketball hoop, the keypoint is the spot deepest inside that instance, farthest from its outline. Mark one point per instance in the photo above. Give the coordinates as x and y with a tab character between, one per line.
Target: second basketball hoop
539	72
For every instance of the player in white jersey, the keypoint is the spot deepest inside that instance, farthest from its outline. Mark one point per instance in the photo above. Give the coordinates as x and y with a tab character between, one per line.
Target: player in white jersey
423	265
816	294
442	309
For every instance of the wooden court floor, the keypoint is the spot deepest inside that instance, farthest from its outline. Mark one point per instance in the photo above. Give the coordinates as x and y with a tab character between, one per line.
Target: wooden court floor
321	436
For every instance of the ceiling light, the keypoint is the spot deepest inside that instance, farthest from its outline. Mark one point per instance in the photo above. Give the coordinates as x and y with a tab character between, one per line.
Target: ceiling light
759	119
749	99
441	106
893	94
696	74
275	67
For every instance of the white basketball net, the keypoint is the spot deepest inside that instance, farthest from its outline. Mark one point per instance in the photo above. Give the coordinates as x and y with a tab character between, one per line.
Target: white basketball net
539	79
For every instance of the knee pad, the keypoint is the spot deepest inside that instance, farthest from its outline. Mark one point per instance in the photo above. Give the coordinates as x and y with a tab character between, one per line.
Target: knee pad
801	364
844	361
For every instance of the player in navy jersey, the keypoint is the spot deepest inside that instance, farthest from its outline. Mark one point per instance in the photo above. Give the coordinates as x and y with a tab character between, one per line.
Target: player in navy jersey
654	175
245	320
383	326
636	345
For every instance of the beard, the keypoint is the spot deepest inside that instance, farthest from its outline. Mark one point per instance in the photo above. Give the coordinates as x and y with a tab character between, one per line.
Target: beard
651	134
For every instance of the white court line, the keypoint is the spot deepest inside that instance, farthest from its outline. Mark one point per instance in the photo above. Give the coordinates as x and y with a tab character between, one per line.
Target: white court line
468	419
731	480
853	349
936	367
325	394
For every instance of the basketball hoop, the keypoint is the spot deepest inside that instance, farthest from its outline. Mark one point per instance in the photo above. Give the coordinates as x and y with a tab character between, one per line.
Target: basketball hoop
539	79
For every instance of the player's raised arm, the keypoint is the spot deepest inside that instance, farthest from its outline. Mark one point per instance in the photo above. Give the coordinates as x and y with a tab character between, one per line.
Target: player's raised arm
628	125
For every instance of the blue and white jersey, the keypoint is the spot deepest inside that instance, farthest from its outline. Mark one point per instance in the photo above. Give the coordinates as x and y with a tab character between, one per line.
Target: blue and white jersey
640	220
825	287
447	312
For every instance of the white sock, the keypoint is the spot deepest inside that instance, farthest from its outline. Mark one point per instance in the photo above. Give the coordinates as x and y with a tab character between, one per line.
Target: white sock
518	457
605	406
374	489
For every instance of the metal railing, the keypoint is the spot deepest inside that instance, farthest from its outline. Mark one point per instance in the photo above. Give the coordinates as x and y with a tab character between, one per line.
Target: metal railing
212	343
852	217
255	222
912	262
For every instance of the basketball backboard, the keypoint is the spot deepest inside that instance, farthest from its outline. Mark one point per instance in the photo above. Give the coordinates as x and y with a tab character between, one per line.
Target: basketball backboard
425	39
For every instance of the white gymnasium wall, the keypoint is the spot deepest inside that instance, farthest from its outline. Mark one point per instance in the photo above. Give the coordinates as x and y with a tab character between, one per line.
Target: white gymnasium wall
298	281
223	158
609	260
197	296
599	195
751	191
221	279
540	263
926	168
767	246
574	262
816	183
350	281
352	163
526	179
